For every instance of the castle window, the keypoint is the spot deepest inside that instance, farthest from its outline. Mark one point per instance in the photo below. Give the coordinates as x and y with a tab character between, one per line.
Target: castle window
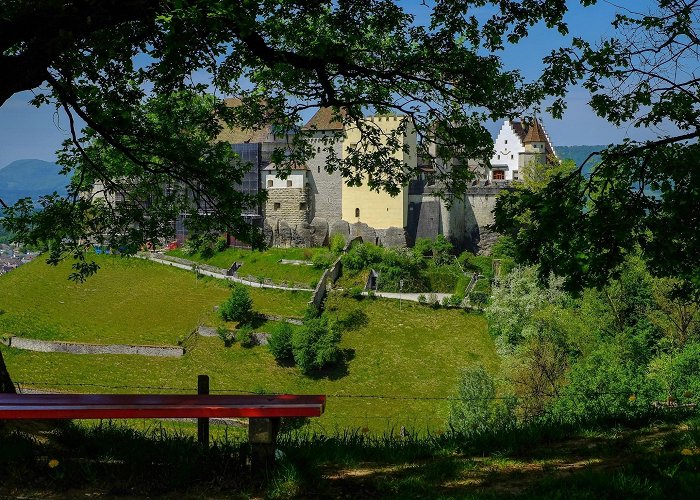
499	157
318	150
506	141
499	175
302	206
289	183
319	169
511	157
277	206
357	212
269	183
515	175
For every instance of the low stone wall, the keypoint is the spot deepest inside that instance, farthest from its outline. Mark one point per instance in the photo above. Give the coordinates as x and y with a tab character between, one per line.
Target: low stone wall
331	274
80	348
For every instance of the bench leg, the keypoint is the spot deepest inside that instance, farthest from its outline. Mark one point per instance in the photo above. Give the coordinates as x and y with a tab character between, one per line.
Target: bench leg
262	435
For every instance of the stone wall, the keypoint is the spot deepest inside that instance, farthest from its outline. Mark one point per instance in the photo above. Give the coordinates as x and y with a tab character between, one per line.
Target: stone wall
481	201
80	348
325	189
292	203
328	277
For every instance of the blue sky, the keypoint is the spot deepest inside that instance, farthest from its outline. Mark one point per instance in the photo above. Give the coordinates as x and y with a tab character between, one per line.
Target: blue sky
28	132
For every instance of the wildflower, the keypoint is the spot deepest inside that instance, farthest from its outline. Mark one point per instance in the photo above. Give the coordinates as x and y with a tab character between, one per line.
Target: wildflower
53	463
686	452
633	398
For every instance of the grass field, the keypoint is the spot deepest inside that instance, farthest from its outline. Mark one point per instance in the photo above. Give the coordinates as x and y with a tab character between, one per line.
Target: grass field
127	301
264	264
398	353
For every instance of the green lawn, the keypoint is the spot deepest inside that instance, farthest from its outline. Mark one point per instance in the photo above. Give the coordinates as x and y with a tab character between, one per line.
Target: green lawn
127	301
264	264
415	352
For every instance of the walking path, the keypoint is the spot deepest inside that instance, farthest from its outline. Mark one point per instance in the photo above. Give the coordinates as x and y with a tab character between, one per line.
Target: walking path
409	296
213	274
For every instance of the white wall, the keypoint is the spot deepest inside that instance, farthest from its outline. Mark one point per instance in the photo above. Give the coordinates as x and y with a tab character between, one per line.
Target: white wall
297	178
508	148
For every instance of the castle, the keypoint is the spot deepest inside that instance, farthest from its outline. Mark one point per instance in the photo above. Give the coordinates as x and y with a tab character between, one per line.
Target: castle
311	205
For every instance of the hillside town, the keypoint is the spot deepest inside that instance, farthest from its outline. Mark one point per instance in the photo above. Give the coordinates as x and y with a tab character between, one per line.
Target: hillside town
12	256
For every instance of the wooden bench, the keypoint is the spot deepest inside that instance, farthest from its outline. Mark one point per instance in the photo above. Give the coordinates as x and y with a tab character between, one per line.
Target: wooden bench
263	411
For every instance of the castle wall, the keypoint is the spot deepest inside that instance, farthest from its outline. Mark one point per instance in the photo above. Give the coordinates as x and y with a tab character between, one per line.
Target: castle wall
287	204
481	202
325	189
378	209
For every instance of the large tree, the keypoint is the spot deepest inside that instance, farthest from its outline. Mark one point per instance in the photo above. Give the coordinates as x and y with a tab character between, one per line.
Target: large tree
642	196
141	81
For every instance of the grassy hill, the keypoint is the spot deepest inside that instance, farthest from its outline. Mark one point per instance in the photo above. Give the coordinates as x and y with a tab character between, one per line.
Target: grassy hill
406	352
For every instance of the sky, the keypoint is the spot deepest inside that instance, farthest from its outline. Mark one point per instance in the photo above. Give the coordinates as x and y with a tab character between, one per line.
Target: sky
28	132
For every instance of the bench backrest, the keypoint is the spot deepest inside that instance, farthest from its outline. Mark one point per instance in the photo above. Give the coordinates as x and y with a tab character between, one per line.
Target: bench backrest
56	406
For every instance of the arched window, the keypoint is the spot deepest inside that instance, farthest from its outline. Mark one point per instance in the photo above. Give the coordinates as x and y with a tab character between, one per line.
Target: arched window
357	212
289	183
269	183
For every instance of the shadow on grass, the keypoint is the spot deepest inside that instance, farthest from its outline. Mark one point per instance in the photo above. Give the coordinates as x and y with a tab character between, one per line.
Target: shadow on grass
338	370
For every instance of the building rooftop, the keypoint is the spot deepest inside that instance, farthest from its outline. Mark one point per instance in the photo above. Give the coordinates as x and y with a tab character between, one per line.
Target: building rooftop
325	119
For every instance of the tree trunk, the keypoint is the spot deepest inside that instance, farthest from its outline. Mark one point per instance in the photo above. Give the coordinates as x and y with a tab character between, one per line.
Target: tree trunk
6	384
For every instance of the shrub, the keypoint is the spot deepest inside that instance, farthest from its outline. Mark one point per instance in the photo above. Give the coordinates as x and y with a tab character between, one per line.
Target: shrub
476	408
225	335
239	306
433	301
423	247
355	292
220	245
478	299
316	345
245	336
280	342
422	299
362	256
311	312
322	260
337	243
446	301
443	278
456	300
504	248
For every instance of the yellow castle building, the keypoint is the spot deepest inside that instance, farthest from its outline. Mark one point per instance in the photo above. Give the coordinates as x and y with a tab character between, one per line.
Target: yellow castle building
379	209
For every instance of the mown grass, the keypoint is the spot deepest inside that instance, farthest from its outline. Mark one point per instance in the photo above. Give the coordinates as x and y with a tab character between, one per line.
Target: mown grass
128	301
264	264
405	353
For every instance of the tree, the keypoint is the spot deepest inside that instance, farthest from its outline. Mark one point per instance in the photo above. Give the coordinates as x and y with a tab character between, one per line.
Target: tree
239	306
141	76
640	197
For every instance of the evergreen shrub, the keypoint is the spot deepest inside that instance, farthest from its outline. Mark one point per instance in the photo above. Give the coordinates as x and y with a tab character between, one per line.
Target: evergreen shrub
239	306
316	345
280	342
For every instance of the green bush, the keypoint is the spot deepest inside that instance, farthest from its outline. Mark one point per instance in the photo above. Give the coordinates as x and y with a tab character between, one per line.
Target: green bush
239	306
504	248
476	408
280	342
220	245
362	256
225	335
422	299
337	243
355	292
316	345
442	278
478	299
244	334
477	263
323	260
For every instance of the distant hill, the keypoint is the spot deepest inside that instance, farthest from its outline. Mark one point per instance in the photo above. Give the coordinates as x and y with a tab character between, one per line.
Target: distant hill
579	154
32	178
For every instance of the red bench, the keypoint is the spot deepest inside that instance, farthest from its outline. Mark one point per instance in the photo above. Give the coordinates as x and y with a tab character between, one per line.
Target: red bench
263	411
